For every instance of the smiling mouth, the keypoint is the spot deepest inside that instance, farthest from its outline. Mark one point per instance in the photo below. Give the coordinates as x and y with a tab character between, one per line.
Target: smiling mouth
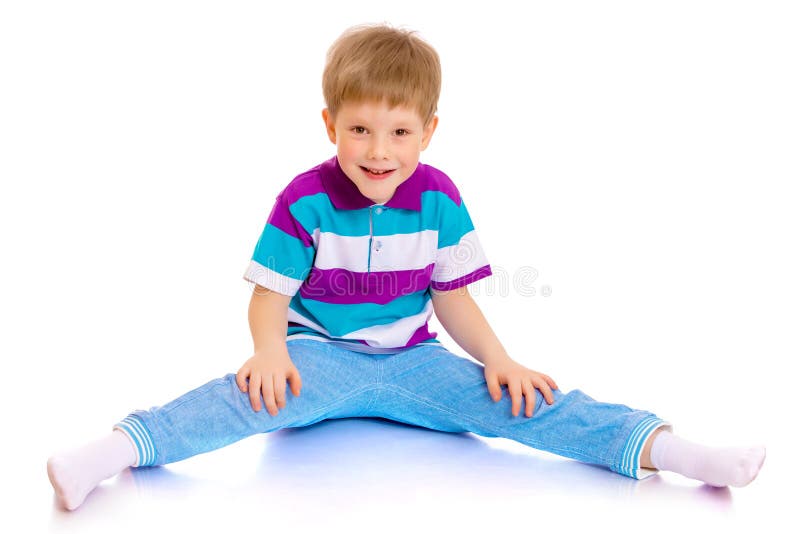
377	174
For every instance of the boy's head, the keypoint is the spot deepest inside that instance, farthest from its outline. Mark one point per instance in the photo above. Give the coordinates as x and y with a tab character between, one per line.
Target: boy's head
381	88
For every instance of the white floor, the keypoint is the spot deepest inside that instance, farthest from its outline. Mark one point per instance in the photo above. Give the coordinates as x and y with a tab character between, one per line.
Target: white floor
371	474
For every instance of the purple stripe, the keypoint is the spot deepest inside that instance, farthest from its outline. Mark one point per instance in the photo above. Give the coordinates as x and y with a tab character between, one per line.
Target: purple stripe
303	185
282	218
341	286
474	276
439	181
420	335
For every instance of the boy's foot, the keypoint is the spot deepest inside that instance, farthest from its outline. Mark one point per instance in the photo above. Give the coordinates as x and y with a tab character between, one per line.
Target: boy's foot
76	473
716	466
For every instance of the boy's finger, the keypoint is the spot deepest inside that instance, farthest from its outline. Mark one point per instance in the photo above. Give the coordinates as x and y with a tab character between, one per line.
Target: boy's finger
546	392
279	382
494	387
255	391
240	379
295	382
269	395
551	382
530	398
515	391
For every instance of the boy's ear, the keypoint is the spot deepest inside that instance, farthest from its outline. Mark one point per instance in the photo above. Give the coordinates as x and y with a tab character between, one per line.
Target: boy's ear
329	125
427	131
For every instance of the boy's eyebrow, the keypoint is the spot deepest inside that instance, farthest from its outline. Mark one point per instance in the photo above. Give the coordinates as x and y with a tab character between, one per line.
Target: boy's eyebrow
407	124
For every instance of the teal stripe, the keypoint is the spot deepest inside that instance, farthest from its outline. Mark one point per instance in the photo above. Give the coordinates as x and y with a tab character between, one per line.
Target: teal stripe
627	457
638	449
124	427
457	217
300	330
278	251
341	319
316	211
633	448
149	448
140	436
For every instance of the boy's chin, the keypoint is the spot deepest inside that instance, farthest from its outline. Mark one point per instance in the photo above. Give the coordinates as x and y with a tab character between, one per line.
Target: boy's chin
378	197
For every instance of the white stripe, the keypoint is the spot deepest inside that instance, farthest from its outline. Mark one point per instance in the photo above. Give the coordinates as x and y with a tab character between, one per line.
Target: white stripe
391	335
148	445
404	252
459	260
396	252
258	274
295	317
394	334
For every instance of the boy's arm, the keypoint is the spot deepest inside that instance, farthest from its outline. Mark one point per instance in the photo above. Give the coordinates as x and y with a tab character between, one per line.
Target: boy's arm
270	366
463	320
268	317
460	316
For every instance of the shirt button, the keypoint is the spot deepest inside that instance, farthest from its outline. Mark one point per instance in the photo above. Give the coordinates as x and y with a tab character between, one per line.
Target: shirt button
378	211
378	246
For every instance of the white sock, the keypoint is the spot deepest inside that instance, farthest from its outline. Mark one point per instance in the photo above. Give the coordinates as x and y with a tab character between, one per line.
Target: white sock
76	473
716	466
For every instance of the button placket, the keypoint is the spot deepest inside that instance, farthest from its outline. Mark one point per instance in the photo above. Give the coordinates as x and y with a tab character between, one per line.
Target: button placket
378	244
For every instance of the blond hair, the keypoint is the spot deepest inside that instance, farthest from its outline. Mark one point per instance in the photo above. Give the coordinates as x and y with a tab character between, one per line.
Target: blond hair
377	63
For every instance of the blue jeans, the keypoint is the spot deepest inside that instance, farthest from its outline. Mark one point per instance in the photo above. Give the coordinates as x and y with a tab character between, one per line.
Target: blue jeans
426	386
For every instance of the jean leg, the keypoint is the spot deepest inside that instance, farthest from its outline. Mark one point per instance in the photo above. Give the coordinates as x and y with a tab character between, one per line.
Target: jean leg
434	388
336	384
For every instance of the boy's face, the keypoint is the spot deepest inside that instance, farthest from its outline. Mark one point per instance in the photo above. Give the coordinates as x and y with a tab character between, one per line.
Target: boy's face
378	147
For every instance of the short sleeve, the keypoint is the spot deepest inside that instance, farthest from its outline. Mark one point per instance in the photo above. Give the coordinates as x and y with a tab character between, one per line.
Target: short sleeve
460	259
284	254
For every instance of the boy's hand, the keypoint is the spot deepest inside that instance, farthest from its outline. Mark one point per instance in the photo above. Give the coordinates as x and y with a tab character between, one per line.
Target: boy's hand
520	381
268	371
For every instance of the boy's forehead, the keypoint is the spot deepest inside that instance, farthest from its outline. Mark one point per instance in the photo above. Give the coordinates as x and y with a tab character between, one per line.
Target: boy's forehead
379	108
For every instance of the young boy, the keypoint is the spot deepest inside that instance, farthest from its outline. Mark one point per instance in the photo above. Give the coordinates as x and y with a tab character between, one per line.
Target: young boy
356	255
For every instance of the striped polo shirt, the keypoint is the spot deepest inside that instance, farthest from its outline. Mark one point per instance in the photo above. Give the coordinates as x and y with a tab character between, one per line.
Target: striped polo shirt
360	273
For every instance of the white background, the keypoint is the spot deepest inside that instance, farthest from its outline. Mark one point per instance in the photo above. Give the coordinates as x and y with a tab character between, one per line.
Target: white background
642	157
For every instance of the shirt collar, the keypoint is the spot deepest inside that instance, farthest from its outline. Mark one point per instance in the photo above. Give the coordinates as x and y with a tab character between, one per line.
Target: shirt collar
344	194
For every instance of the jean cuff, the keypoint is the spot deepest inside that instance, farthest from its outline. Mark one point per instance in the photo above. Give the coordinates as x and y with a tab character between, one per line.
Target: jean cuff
630	464
133	427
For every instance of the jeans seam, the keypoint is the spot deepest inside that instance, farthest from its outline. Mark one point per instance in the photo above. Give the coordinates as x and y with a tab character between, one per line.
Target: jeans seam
327	407
378	385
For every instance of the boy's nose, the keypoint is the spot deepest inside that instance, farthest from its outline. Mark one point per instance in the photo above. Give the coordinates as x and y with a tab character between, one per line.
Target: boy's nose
377	148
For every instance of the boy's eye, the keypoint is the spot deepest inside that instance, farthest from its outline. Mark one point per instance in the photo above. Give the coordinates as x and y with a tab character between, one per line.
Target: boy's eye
359	129
401	132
